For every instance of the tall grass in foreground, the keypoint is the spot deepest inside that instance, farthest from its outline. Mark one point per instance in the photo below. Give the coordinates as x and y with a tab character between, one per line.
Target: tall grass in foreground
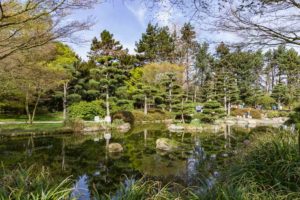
270	169
142	190
31	184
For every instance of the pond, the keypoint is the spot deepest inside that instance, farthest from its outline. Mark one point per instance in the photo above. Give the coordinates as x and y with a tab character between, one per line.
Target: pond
198	162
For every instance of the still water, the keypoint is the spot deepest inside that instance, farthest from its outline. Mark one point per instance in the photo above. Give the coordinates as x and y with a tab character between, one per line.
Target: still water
199	160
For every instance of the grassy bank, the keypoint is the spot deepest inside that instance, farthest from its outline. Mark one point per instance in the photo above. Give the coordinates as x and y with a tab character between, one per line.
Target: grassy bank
58	116
36	129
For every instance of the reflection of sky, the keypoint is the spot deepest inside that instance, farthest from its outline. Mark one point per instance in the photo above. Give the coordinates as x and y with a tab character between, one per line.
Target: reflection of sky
127	20
81	190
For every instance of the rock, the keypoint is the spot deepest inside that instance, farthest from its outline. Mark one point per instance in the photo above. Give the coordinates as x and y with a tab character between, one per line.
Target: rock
174	127
166	144
213	156
92	128
124	127
246	142
115	148
107	119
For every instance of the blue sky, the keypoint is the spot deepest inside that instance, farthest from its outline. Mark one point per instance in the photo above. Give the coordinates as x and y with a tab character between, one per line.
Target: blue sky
127	21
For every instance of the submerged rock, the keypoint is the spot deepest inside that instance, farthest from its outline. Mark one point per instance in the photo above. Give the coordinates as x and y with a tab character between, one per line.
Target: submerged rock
246	142
115	148
166	144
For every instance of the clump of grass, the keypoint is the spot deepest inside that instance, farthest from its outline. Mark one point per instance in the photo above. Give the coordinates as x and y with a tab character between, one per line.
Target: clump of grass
142	190
270	169
32	183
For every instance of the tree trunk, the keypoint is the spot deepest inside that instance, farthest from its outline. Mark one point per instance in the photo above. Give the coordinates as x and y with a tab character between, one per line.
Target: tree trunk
195	94
182	113
229	108
65	101
35	107
27	106
170	98
187	76
107	103
145	106
225	100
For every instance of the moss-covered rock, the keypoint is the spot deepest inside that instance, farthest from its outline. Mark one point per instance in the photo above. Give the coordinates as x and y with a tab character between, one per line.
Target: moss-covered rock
166	144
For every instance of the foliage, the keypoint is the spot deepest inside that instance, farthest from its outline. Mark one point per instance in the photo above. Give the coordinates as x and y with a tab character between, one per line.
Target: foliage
256	114
266	101
87	110
126	116
212	110
294	118
76	124
276	113
32	183
156	44
139	116
269	170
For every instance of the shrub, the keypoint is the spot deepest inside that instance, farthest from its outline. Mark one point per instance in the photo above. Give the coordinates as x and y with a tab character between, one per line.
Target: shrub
140	116
76	124
126	116
212	110
256	114
87	110
124	105
266	101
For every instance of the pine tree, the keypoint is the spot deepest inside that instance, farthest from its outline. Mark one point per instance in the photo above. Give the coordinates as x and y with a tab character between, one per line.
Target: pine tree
156	45
107	73
188	51
281	94
212	110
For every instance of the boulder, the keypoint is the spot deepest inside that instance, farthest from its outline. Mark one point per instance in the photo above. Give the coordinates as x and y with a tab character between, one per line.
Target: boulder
246	142
124	127
115	148
174	127
166	144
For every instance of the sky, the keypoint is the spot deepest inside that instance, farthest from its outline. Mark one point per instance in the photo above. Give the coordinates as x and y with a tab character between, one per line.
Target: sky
127	21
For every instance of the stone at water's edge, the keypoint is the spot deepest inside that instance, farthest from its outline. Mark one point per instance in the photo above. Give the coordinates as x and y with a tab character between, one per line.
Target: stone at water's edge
166	144
174	127
124	127
115	148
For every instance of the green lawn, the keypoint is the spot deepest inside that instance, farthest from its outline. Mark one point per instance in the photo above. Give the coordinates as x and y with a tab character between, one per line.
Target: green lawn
22	118
33	127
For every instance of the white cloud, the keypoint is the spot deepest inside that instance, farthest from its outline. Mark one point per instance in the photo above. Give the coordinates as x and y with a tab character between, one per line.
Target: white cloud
139	11
165	13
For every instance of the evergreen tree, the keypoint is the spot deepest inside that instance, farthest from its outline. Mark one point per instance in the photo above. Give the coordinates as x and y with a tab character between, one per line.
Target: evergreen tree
156	45
107	73
212	110
188	47
281	94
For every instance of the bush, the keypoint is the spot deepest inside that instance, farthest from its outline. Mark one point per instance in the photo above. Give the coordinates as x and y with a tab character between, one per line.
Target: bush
276	113
124	105
87	110
266	101
76	124
140	116
256	114
212	110
126	116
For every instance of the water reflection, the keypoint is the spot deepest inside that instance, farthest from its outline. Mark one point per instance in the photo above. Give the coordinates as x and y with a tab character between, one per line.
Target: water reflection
198	161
